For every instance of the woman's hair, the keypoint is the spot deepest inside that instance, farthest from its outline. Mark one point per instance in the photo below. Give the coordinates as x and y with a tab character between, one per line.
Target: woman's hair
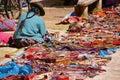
35	10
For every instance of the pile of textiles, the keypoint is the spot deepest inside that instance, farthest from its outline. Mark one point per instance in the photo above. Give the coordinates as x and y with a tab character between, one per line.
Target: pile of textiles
7	25
5	39
75	56
72	19
85	62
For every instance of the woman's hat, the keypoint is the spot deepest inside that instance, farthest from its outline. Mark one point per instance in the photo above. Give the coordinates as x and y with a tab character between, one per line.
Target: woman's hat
39	6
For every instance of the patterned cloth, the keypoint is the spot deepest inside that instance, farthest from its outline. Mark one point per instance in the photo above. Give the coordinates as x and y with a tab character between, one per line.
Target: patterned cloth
7	25
24	42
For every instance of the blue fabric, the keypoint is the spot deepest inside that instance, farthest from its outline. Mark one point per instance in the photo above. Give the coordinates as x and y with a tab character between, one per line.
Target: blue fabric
21	53
112	49
25	70
33	28
11	69
104	53
24	4
14	69
68	15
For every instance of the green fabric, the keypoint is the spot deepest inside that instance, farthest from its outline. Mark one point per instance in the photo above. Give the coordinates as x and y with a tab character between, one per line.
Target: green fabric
33	28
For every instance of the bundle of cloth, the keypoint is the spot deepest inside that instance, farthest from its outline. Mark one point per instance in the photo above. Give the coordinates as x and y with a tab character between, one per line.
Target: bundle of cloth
5	39
6	25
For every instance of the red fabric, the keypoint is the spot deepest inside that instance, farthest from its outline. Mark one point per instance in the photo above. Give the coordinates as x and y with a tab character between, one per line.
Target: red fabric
30	77
66	78
32	49
116	42
73	55
81	42
72	19
7	56
23	57
88	44
4	37
30	57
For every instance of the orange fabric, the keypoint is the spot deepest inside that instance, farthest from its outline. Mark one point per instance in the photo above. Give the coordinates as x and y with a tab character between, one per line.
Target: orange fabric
95	42
102	14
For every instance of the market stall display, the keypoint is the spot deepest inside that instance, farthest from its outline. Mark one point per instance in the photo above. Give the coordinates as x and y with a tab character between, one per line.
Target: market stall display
74	56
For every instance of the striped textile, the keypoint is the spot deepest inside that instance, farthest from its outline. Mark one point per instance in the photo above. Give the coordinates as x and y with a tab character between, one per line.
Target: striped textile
7	25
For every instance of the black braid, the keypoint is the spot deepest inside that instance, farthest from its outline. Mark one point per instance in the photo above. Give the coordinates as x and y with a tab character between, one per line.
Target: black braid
23	21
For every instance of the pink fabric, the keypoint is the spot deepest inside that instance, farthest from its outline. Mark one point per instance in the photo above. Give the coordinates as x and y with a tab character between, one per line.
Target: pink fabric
4	37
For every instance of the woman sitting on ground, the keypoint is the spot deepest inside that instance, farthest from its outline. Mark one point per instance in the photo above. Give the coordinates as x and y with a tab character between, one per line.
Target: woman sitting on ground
31	27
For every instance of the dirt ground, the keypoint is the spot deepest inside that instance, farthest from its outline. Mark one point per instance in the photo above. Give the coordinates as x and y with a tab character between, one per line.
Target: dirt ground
55	15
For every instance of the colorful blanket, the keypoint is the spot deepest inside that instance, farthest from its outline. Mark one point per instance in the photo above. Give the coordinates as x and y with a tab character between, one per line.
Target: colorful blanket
5	39
7	25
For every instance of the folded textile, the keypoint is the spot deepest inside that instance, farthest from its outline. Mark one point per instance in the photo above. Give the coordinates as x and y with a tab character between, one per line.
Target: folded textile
7	25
